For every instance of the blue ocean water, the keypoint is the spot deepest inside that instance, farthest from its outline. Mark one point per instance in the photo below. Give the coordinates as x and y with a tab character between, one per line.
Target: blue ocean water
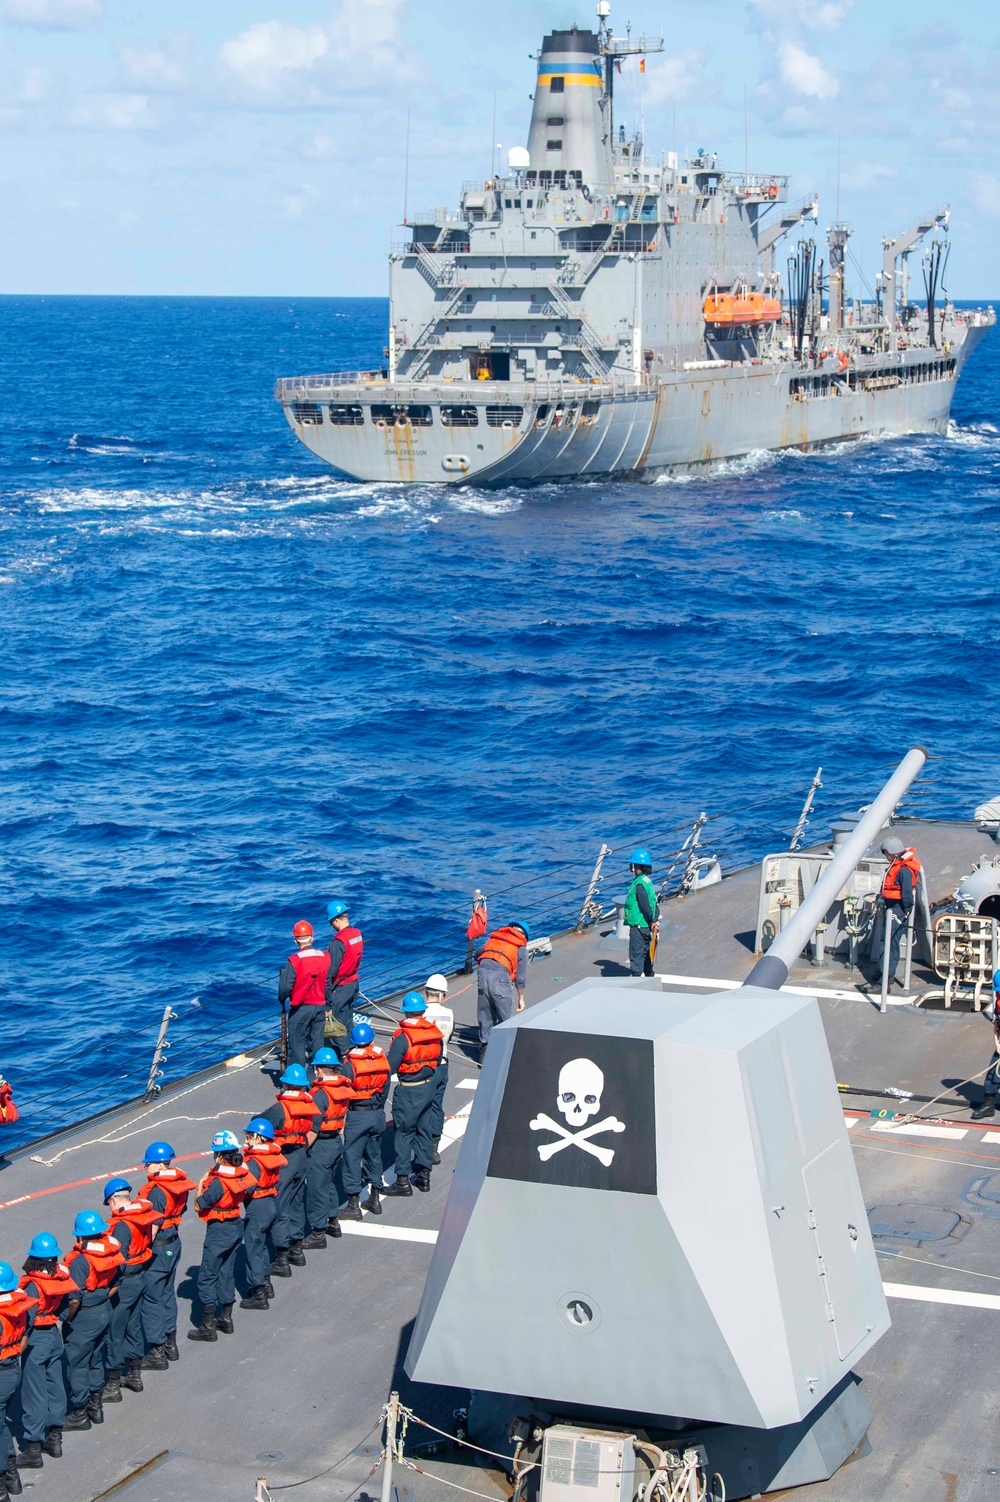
235	685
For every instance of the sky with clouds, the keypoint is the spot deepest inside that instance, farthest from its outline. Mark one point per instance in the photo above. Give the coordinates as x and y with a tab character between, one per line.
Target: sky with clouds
242	147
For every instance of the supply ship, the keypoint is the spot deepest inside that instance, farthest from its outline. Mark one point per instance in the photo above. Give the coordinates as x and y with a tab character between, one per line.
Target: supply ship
314	1394
589	312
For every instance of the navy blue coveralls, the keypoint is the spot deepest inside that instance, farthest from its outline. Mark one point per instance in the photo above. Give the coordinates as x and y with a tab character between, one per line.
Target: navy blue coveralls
321	1163
363	1128
413	1111
159	1305
88	1336
125	1342
43	1391
260	1211
217	1273
290	1222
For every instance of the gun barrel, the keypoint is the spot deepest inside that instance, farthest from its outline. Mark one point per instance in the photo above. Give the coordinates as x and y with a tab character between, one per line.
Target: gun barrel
771	971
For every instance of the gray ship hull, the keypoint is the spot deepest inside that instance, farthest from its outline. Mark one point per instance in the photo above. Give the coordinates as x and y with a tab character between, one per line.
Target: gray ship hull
684	421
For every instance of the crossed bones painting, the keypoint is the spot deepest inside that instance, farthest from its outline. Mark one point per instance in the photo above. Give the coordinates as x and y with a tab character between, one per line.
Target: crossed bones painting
577	1110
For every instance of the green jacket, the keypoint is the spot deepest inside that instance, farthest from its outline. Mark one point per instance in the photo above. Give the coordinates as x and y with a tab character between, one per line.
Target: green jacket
634	916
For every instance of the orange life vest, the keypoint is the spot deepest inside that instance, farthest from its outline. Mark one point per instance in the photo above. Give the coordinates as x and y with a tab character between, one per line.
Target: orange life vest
424	1045
371	1072
143	1220
236	1183
14	1310
339	1093
104	1258
176	1187
271	1161
300	1118
8	1110
891	889
504	946
52	1289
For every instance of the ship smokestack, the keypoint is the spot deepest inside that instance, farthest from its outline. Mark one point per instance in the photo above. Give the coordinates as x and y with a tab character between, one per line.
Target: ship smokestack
568	128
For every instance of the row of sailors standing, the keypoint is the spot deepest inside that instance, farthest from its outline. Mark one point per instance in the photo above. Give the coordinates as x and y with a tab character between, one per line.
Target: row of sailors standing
73	1334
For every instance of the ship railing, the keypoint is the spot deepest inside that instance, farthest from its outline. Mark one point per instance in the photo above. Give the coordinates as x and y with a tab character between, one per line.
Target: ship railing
237	1019
321	387
298	388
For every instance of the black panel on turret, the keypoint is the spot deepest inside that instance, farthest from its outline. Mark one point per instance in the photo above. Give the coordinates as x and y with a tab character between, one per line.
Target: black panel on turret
578	1109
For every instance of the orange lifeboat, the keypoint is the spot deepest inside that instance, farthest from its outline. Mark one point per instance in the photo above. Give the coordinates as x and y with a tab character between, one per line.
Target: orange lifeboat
729	309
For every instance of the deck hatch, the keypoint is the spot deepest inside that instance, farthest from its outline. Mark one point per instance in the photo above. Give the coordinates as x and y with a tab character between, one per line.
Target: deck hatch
917	1223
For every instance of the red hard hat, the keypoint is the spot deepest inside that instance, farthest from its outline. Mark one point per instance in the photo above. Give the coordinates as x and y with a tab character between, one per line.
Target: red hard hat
302	930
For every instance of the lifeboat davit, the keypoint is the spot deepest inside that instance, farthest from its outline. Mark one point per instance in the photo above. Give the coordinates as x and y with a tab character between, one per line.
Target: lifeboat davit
728	309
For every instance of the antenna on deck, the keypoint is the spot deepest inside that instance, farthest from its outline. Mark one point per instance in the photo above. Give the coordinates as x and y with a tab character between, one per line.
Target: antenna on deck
836	217
406	169
746	135
493	140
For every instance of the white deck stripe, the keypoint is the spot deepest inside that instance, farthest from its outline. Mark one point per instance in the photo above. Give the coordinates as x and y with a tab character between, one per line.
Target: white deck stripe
472	1084
942	1296
915	1129
816	991
367	1227
990	1137
455	1126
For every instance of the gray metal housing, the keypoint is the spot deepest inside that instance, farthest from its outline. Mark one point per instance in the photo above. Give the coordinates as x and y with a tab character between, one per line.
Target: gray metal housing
719	1268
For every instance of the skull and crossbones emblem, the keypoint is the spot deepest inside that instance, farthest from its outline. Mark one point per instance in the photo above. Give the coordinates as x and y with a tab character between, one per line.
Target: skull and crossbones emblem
578	1098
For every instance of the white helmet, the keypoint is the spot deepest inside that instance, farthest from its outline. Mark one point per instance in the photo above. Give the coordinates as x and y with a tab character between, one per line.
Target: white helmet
436	982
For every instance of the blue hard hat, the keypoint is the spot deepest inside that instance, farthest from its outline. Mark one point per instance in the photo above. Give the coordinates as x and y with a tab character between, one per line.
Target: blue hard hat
115	1186
362	1033
225	1142
8	1278
261	1127
334	910
295	1075
996	980
524	927
326	1058
159	1152
44	1245
413	1002
89	1223
640	857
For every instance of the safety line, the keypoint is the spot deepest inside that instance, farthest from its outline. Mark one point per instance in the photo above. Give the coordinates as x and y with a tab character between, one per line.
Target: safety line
942	1296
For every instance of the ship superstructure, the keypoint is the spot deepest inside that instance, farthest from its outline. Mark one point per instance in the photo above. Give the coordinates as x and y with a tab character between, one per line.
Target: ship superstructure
590	313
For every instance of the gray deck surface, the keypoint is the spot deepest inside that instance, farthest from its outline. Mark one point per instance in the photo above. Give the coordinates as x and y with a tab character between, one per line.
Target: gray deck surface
296	1389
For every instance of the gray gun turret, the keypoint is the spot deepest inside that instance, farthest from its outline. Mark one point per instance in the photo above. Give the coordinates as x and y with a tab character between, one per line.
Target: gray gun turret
656	1212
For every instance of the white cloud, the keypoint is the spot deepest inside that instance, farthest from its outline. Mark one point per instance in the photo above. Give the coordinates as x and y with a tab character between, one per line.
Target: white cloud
805	73
265	54
815	15
53	15
278	63
126	112
161	66
865	177
678	76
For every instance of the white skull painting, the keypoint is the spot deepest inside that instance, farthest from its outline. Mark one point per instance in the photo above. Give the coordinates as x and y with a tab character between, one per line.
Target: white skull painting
581	1085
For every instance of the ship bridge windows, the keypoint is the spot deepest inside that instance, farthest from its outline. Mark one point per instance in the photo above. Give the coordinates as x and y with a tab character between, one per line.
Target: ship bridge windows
346	416
502	417
309	414
554	144
557	85
459	417
555	120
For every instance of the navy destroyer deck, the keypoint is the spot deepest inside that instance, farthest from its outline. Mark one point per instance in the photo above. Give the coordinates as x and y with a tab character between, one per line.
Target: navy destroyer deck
295	1395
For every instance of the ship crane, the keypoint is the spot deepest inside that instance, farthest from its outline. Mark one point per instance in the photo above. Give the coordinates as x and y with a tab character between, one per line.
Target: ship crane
892	250
768	238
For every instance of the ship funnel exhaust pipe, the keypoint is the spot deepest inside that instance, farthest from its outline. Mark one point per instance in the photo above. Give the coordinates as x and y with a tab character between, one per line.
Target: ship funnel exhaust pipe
771	971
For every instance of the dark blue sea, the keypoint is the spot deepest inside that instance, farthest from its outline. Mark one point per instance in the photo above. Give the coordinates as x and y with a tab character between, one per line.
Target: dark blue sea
235	686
